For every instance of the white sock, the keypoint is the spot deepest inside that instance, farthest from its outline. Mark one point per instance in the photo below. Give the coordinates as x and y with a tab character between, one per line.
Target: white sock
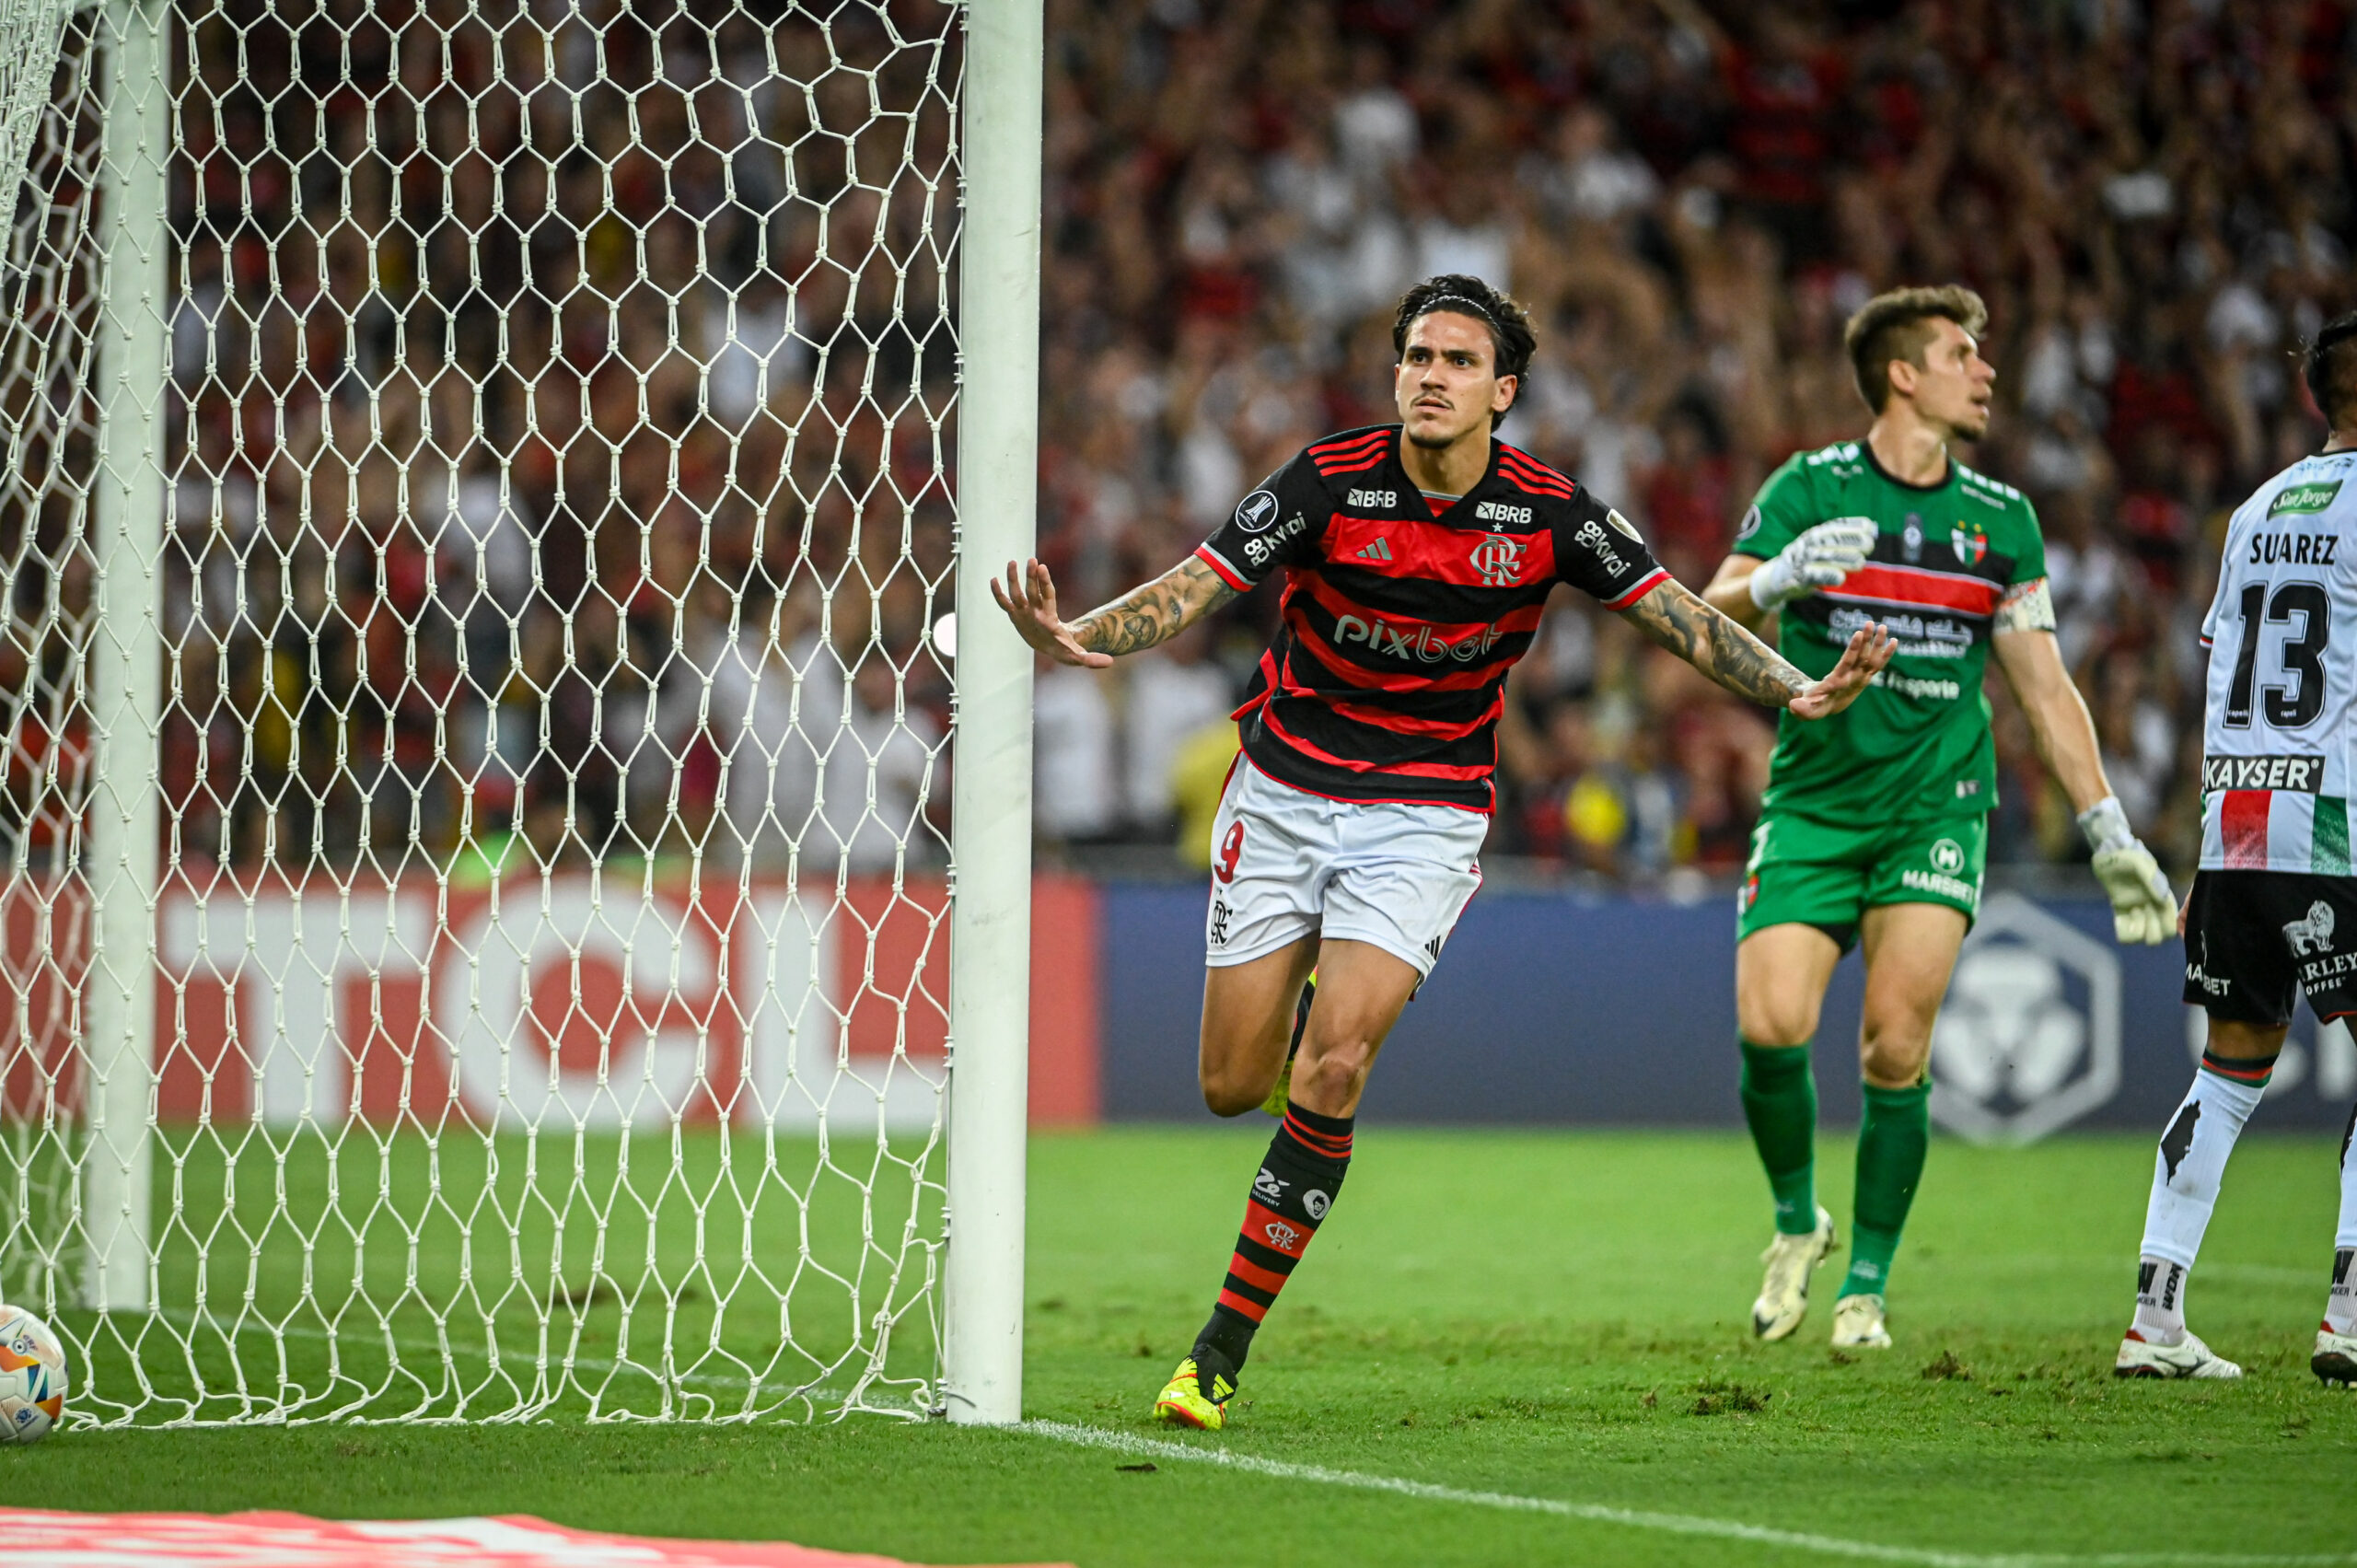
2187	1170
2160	1301
2340	1307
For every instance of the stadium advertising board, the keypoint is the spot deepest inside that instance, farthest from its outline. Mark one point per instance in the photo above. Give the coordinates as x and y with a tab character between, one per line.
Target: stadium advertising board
1554	1008
602	1003
555	1002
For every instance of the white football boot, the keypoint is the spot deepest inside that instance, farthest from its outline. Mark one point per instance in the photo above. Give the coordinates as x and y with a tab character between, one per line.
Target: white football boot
1859	1324
1783	1296
2186	1358
2336	1357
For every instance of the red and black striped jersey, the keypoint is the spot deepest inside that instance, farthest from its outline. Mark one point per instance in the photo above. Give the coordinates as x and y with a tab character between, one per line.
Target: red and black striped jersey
1388	673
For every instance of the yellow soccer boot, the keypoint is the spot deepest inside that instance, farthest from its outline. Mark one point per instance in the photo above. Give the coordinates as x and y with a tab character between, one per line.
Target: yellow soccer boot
1194	1397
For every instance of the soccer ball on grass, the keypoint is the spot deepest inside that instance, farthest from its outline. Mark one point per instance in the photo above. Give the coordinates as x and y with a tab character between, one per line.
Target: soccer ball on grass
32	1377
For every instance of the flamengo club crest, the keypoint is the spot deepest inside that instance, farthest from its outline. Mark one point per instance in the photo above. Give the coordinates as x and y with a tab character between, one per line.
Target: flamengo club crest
1499	560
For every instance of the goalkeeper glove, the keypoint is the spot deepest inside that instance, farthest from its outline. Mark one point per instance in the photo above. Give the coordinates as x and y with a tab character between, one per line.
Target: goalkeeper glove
2142	908
1819	558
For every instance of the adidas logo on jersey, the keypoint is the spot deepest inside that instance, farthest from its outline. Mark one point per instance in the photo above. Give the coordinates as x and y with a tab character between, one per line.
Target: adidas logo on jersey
1380	550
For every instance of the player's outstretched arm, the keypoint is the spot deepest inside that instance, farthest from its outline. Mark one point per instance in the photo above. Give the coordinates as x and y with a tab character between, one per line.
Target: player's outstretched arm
1153	613
2143	907
1729	592
1716	644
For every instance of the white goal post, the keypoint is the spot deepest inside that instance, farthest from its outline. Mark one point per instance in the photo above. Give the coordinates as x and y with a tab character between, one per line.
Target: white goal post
515	904
990	980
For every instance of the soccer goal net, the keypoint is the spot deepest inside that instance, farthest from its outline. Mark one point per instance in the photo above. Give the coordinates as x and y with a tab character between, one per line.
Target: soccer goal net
480	487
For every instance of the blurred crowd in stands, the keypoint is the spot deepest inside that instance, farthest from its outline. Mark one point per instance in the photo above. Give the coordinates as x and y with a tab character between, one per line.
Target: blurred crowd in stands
559	446
2154	195
562	427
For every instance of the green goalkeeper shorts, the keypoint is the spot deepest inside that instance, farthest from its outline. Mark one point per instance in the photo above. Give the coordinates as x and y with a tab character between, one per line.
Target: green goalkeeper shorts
1807	872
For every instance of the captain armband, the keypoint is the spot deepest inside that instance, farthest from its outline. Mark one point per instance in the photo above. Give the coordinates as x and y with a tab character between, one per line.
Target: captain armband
2026	607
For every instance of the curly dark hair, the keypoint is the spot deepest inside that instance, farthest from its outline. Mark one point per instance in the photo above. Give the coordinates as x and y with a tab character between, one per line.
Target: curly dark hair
2328	363
1509	323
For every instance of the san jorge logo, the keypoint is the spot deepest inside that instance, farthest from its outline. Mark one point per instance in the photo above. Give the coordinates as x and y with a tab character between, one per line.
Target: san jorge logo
2303	498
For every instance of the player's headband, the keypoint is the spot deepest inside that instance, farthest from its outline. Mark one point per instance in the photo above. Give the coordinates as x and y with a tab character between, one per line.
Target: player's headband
1458	302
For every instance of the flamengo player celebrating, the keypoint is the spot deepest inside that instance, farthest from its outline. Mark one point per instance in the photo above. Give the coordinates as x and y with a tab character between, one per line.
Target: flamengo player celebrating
1875	826
2274	906
1418	558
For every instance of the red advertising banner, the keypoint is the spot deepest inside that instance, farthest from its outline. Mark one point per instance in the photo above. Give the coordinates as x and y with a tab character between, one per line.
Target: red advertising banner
293	1541
561	1000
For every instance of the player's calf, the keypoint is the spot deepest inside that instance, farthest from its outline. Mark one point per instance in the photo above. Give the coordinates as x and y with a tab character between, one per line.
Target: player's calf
1295	1187
1910	951
2335	1358
1894	1138
1281	1097
2188	1170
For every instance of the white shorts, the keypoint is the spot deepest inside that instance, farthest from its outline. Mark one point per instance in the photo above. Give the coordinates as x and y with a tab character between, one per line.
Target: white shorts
1288	865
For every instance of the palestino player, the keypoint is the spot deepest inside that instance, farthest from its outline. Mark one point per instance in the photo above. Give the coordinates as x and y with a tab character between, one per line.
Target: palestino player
1873	828
1417	560
2273	910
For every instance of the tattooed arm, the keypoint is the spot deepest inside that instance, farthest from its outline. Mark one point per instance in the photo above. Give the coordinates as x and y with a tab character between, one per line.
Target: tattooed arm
1715	644
1152	613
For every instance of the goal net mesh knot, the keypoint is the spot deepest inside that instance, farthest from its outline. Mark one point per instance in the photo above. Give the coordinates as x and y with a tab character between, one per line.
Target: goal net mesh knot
31	37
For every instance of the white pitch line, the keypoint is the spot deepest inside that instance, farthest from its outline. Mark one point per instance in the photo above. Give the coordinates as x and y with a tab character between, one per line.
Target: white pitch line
1644	1519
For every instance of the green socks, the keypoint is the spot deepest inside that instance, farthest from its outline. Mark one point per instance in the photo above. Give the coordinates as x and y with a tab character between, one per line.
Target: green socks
1780	1104
1893	1137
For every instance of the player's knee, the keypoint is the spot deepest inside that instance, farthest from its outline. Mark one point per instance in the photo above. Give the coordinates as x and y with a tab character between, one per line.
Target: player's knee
1777	1020
1894	1058
1334	1076
1228	1092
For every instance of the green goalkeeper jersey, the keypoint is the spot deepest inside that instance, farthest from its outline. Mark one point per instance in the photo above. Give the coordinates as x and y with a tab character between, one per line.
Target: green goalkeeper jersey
1949	560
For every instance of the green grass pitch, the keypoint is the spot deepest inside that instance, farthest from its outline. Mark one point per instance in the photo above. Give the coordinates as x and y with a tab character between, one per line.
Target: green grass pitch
1555	1316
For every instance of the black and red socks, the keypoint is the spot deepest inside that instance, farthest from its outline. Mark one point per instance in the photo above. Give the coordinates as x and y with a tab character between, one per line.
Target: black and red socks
1296	1185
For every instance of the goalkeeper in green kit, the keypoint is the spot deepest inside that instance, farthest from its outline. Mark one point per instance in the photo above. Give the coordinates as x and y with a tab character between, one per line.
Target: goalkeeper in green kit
1874	829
